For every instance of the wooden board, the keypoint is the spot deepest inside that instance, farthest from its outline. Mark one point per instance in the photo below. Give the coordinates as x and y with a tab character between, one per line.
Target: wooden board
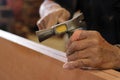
21	59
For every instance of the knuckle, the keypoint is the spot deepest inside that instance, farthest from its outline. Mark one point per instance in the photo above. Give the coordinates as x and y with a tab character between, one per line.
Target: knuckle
73	56
70	58
95	41
73	45
83	63
95	32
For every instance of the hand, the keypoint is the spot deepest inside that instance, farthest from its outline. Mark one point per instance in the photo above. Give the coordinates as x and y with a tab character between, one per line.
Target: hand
51	13
88	50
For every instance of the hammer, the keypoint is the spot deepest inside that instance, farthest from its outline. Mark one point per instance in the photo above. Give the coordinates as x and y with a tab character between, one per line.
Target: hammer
65	27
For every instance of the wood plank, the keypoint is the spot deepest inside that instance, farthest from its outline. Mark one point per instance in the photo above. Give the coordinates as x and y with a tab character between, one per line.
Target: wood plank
34	46
112	72
21	59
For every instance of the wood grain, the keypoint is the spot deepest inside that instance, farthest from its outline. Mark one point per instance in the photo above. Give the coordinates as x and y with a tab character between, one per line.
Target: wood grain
21	59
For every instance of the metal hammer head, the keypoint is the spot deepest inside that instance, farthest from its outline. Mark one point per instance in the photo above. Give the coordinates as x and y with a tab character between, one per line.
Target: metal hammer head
67	26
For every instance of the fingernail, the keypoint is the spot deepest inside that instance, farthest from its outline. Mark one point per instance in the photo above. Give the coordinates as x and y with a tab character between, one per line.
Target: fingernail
68	65
65	66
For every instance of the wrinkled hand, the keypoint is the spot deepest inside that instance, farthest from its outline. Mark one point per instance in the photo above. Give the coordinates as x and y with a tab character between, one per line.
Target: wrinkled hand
51	13
88	50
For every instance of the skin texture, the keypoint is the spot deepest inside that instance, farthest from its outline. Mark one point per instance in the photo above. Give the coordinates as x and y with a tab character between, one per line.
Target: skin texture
85	49
51	14
88	50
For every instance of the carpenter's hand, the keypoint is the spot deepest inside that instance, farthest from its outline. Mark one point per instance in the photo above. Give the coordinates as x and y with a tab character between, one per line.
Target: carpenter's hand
51	13
88	50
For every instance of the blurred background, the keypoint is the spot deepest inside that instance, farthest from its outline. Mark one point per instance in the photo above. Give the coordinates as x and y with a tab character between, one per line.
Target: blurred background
19	16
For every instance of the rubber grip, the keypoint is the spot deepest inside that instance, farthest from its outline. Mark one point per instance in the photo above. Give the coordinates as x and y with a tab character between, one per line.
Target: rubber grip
45	34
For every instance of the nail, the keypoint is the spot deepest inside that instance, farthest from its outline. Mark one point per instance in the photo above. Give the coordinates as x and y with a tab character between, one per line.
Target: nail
68	65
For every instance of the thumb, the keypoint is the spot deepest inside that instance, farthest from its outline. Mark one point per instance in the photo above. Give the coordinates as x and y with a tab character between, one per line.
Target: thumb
82	63
40	23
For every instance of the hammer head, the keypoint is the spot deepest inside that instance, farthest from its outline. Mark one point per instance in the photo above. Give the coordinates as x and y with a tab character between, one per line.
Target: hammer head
67	26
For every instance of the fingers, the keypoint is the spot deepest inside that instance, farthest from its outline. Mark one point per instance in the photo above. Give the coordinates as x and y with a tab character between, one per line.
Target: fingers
59	15
79	46
77	35
79	55
82	39
89	50
47	21
83	50
83	34
64	15
41	23
82	63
